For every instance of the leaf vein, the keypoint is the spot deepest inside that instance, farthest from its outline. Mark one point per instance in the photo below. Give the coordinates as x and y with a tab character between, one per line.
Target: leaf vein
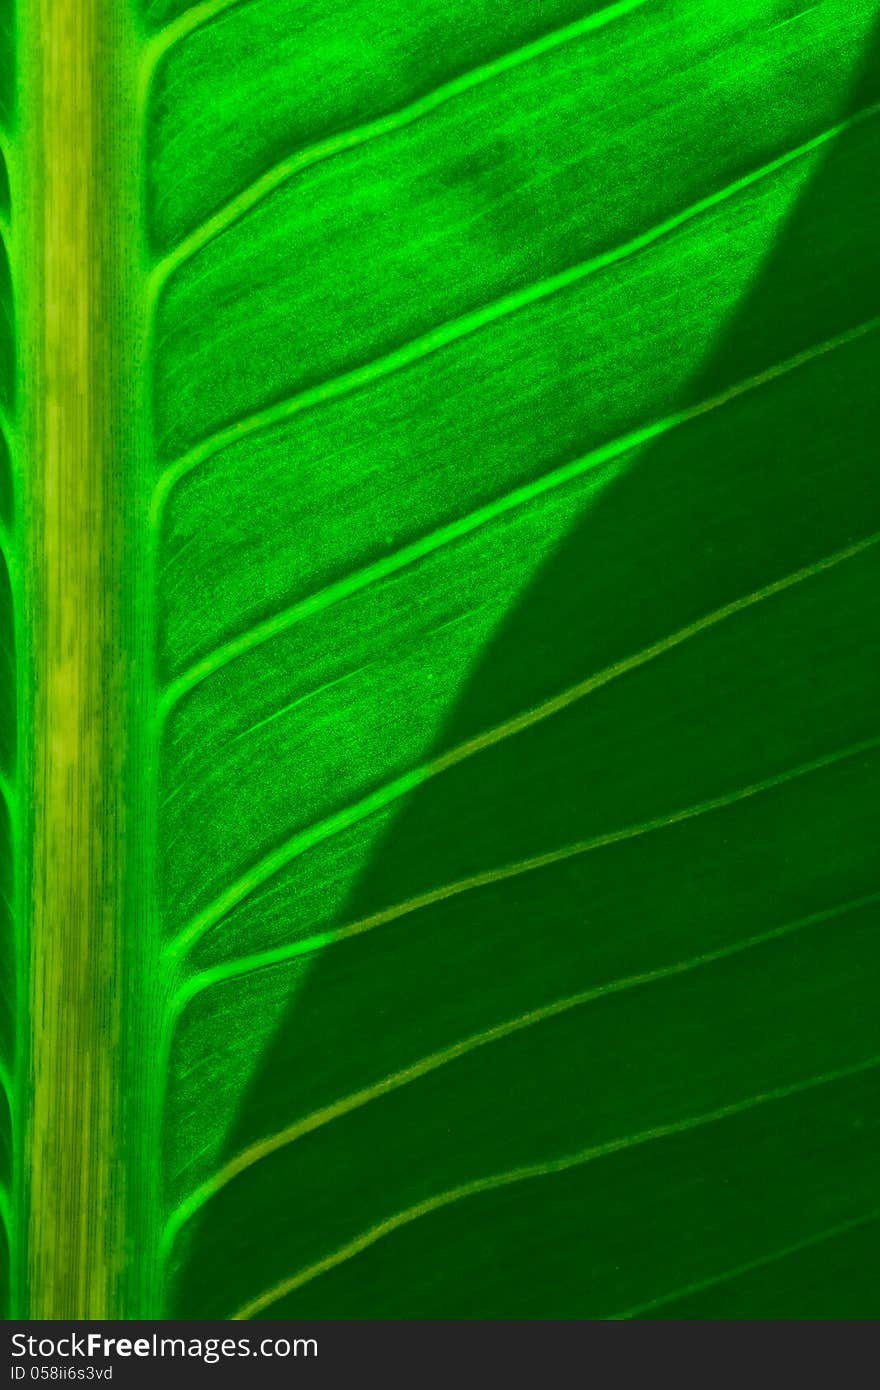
729	1275
454	330
401	559
303	840
280	173
548	1168
317	1119
163	39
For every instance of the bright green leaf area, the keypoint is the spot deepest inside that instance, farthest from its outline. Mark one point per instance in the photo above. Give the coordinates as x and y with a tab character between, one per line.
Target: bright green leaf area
8	720
515	600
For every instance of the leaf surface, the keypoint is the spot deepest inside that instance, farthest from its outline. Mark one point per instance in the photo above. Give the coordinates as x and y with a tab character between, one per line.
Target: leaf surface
511	592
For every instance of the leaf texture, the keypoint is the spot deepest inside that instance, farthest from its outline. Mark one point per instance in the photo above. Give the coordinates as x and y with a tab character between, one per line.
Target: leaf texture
510	590
9	965
392	849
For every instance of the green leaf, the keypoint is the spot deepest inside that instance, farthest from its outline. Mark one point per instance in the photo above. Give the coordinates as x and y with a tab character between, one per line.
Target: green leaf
447	603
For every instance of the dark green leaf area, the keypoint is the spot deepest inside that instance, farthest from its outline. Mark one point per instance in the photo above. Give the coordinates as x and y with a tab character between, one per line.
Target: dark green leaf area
607	1239
664	1051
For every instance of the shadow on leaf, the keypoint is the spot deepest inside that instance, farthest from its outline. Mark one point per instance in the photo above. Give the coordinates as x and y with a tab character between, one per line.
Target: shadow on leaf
728	778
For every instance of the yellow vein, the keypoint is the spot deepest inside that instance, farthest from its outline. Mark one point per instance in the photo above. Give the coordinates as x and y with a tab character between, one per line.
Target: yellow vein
426	545
434	1061
400	786
524	1173
456	329
747	1267
285	169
